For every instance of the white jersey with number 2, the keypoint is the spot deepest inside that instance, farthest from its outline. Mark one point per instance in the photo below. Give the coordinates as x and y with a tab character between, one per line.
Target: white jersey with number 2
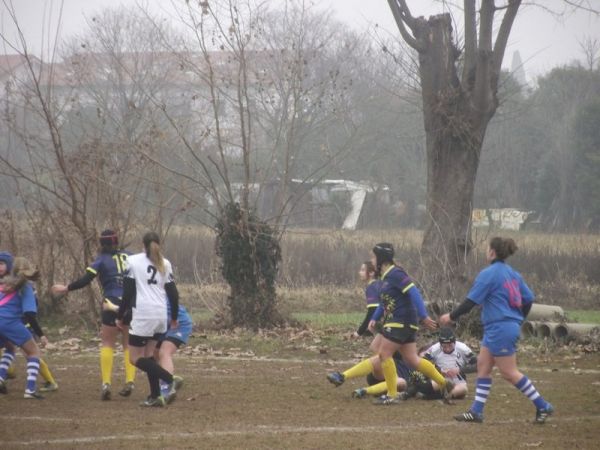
151	298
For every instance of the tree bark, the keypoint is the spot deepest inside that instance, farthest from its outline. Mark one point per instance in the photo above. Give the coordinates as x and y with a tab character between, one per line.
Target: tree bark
455	122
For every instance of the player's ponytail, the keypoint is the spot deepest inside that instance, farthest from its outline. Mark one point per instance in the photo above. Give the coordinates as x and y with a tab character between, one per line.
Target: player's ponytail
504	247
153	252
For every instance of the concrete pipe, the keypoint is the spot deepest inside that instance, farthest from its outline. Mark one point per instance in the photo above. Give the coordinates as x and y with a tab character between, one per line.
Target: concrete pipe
546	329
529	329
568	331
545	312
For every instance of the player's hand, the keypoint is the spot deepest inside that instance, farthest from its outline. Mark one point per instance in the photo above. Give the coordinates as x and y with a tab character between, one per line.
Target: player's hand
59	289
43	341
445	320
371	326
453	372
429	323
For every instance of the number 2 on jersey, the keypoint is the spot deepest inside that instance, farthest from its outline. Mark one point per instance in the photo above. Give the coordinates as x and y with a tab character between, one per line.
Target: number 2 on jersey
152	270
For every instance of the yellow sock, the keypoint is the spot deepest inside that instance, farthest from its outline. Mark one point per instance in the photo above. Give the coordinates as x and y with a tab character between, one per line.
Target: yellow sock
45	372
377	389
429	370
129	368
391	377
362	369
11	370
106	363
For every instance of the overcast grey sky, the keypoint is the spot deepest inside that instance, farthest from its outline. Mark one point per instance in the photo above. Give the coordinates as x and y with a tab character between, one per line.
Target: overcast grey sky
543	40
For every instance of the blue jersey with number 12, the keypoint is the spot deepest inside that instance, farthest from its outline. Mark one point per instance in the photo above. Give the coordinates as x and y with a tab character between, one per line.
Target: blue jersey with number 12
501	292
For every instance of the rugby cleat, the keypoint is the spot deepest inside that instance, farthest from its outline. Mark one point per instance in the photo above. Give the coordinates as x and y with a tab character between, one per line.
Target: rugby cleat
359	393
469	416
105	395
49	387
410	391
387	400
3	388
157	402
336	378
127	389
33	396
177	382
542	414
171	394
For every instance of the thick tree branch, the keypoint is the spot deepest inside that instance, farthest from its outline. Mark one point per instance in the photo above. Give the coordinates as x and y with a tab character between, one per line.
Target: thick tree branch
502	38
470	41
482	91
406	15
401	16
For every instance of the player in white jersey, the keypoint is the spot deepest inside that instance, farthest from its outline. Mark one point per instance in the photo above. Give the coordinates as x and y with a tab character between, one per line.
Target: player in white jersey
148	285
454	359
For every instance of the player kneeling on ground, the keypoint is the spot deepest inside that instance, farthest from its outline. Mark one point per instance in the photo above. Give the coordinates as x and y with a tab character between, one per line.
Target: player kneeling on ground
454	359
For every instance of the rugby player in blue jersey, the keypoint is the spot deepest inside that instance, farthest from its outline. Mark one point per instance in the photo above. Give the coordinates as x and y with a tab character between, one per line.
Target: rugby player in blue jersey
367	275
505	300
17	299
108	267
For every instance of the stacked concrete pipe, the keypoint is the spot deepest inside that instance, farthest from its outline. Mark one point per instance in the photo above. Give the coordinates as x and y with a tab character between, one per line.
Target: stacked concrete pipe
549	321
574	331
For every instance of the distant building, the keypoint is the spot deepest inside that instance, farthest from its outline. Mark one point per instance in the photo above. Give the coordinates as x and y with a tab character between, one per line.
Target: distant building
517	69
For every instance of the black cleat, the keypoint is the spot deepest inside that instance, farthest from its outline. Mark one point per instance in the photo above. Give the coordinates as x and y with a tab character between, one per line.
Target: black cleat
542	414
469	416
336	378
127	389
105	395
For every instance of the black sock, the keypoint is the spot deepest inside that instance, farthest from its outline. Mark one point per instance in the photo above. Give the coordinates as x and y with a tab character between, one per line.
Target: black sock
148	366
155	373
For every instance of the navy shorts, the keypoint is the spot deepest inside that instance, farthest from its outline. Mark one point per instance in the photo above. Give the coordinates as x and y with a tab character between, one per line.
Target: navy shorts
399	333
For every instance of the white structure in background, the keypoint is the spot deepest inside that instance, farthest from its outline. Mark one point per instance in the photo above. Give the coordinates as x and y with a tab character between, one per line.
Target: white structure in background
358	194
500	218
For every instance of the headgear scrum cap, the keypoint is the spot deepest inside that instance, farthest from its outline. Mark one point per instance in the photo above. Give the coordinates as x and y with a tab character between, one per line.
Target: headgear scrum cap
109	238
384	252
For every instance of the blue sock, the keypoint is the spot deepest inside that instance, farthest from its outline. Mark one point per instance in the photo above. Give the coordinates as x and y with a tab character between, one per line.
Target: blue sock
5	363
482	390
527	388
164	388
33	368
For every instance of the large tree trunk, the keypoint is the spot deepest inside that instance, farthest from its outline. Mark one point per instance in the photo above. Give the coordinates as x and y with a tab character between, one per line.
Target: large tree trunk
454	128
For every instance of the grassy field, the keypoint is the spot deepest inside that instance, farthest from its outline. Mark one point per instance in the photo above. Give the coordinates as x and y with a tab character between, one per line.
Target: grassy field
268	390
583	315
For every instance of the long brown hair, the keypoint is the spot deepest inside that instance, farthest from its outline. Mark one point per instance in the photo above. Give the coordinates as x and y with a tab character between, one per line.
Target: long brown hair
153	251
504	247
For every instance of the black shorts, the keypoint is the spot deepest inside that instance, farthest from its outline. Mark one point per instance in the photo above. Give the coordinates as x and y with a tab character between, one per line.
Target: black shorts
109	318
400	335
141	341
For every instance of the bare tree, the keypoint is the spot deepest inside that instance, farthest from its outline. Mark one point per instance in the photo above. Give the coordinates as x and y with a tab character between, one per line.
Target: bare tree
71	129
251	96
460	95
591	50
